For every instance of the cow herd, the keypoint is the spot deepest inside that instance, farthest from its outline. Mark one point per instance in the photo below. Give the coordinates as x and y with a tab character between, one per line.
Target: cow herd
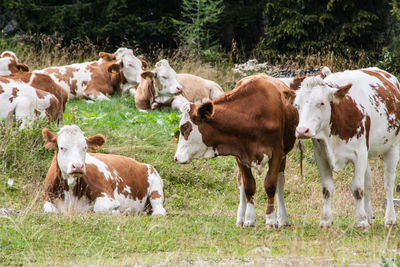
348	115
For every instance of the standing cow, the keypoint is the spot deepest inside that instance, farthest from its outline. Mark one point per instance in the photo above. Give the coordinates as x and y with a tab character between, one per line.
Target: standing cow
255	123
350	115
78	181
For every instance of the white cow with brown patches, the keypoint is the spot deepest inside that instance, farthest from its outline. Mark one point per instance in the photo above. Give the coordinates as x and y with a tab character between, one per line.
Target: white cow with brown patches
78	181
163	87
350	115
97	80
26	103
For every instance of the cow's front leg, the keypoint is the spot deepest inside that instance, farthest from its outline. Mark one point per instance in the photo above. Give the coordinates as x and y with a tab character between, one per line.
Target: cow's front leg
270	184
249	186
357	188
242	202
106	204
367	194
390	163
283	219
327	182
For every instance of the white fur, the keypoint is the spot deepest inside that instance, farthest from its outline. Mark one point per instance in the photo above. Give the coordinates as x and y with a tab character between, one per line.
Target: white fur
4	69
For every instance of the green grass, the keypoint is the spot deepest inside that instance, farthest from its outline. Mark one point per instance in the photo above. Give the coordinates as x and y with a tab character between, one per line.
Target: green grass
201	203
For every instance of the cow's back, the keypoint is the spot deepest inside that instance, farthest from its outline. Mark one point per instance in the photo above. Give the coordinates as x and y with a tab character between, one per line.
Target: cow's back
375	93
197	89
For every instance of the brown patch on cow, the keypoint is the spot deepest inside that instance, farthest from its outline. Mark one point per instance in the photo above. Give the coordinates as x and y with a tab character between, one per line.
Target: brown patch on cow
295	85
145	94
1	90
155	195
358	193
367	129
389	95
186	129
41	94
14	94
346	119
325	193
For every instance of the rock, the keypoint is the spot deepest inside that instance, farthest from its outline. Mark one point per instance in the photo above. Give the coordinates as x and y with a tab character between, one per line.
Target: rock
11	28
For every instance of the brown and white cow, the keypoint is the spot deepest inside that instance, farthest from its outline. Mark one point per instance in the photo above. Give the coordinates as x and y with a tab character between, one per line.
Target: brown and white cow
255	123
98	79
45	83
163	87
26	103
350	115
9	64
78	181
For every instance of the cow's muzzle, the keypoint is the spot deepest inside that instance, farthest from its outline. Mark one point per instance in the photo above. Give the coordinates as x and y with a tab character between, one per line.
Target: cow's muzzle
303	133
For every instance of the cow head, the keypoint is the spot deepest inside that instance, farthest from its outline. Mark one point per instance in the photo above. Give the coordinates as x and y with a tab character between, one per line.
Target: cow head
9	54
71	146
164	79
191	144
313	101
9	65
131	66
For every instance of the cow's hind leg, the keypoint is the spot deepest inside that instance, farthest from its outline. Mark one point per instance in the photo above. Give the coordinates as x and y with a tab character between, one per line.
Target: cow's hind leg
327	183
156	191
391	159
249	186
283	219
357	188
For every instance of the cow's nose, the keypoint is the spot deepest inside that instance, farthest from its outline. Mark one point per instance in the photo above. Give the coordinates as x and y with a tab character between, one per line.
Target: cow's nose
77	168
179	88
176	159
303	132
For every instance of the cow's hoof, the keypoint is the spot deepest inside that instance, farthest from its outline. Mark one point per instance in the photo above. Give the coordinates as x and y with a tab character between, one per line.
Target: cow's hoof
363	225
271	226
390	225
325	224
249	224
284	225
239	224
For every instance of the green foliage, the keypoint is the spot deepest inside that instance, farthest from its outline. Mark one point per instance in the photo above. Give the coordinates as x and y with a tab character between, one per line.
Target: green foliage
336	25
197	27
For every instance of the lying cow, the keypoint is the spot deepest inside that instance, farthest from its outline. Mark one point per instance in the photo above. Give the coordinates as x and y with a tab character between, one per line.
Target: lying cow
78	181
9	64
99	79
255	123
349	116
26	103
45	83
162	86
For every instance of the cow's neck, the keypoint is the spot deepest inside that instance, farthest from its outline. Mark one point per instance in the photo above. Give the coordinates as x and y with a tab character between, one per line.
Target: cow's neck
75	186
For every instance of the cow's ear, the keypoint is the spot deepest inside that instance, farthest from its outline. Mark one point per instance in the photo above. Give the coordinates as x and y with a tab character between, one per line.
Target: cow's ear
107	56
95	142
289	95
114	68
205	110
340	92
22	67
50	139
148	75
144	64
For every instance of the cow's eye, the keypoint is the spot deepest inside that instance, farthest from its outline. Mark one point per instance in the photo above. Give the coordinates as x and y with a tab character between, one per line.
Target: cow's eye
62	148
322	104
85	148
164	77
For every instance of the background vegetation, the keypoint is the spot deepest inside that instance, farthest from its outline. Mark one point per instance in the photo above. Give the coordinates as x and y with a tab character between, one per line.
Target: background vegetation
266	30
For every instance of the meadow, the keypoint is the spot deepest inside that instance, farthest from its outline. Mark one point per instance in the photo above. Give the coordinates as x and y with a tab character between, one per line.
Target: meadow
201	197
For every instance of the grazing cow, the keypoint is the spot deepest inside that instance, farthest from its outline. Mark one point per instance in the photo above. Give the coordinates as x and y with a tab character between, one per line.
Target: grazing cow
26	102
45	83
99	79
255	123
78	181
9	64
350	115
153	90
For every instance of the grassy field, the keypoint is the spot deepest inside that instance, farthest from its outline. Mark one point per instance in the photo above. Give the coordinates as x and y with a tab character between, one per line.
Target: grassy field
201	203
